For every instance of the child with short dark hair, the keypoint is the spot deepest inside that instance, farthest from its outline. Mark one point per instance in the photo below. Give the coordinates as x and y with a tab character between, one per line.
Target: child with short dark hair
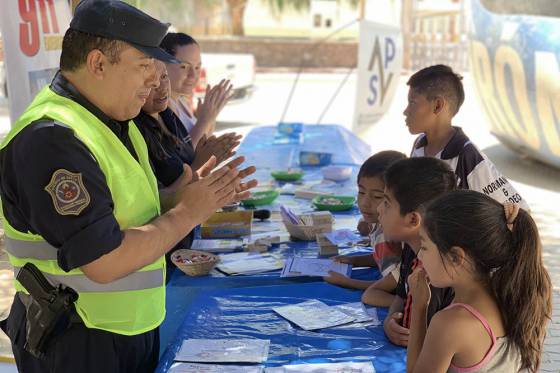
491	255
386	255
434	98
409	184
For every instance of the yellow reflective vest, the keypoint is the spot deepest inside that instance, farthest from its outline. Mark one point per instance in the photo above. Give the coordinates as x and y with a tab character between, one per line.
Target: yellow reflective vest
131	305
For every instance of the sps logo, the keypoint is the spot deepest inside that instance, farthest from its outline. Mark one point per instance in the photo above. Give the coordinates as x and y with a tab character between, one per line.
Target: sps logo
378	82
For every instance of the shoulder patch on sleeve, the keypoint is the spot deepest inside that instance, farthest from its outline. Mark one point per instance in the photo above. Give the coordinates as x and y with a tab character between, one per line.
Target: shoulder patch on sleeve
68	192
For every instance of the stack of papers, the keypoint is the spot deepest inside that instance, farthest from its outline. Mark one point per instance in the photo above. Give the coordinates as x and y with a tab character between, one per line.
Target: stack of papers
218	246
248	263
349	367
223	351
297	266
214	368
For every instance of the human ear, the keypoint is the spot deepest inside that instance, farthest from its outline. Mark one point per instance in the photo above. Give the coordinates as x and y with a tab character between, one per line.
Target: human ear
413	220
96	62
457	256
439	104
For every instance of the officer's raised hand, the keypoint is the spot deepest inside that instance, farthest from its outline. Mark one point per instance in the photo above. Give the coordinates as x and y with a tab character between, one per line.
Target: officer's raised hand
209	193
243	186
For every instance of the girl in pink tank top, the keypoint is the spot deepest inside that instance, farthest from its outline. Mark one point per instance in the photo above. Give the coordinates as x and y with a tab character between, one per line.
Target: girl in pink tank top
490	254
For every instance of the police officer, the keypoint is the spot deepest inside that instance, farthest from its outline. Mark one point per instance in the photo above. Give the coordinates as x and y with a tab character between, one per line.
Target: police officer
81	203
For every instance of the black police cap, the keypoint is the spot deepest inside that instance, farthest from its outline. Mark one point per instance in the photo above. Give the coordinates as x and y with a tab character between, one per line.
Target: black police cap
118	20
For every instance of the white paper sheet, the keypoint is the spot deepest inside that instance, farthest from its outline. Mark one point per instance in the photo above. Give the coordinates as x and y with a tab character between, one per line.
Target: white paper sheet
297	266
248	263
359	312
313	314
275	236
348	367
213	368
343	237
223	350
217	246
286	270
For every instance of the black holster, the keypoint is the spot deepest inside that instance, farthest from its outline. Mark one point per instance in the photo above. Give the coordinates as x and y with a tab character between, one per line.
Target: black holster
49	310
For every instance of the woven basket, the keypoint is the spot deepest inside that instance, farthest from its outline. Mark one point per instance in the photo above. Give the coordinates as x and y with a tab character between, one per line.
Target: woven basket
196	268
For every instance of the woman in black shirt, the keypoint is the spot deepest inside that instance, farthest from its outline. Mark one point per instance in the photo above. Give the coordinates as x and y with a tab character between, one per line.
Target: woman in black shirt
169	143
168	152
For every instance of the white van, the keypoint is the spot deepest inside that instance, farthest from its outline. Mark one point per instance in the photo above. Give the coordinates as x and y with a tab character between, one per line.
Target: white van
237	67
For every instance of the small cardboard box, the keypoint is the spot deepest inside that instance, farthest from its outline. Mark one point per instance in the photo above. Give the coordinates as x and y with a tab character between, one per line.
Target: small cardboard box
228	225
314	223
322	218
326	247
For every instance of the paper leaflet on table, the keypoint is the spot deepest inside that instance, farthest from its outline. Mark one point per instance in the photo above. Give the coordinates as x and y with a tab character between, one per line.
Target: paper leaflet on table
224	350
273	237
218	246
360	313
297	266
343	237
344	367
248	263
313	315
214	368
319	267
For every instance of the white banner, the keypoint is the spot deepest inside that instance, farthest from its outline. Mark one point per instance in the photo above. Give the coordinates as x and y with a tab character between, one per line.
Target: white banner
32	32
379	69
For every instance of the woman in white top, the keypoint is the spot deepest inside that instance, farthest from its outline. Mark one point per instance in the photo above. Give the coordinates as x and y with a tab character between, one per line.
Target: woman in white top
184	78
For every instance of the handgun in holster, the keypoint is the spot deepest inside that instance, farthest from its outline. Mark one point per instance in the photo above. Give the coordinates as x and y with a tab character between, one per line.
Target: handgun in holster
50	310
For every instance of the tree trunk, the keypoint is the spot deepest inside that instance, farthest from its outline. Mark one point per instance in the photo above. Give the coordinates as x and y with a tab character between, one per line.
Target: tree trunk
236	11
406	29
362	10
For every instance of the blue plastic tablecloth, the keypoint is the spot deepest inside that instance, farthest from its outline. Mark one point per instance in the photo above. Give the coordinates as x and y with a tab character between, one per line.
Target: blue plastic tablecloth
346	147
231	306
259	149
182	290
247	313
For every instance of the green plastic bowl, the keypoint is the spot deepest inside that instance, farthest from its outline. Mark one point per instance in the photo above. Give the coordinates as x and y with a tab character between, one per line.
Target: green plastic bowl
325	203
265	197
287	176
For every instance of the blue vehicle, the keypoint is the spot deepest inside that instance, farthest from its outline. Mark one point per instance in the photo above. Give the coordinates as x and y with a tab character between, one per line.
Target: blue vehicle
515	60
